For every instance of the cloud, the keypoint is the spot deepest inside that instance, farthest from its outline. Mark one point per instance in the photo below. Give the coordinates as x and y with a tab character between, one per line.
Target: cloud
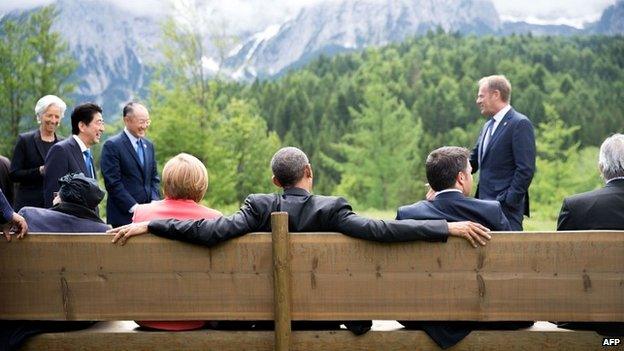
570	12
255	15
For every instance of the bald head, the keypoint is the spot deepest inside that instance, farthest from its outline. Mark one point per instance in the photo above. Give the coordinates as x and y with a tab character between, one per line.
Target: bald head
288	165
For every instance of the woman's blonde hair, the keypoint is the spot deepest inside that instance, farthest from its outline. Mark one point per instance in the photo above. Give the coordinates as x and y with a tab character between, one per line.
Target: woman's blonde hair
185	177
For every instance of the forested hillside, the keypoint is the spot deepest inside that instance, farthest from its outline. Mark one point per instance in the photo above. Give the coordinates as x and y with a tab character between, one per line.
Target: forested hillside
368	120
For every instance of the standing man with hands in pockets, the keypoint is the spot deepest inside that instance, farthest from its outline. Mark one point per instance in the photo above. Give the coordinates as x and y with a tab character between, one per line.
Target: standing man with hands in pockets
505	151
128	165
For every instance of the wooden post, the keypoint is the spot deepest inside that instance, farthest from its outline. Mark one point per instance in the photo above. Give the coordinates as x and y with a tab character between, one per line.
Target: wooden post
282	297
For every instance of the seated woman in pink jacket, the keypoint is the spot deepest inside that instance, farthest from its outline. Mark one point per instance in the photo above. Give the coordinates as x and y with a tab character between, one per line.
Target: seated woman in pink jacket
185	181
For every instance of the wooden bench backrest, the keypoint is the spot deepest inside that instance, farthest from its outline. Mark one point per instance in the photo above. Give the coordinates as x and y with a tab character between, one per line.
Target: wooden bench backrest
574	276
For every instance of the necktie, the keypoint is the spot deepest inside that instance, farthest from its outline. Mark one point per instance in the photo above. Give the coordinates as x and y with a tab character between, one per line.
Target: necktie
88	163
487	136
140	152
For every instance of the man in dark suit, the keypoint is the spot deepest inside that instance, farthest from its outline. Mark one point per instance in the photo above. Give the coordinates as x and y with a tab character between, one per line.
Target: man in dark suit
505	151
11	221
73	155
73	210
450	175
129	167
307	213
601	209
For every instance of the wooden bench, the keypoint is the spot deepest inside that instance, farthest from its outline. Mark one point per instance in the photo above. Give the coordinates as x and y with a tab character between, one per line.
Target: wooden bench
572	276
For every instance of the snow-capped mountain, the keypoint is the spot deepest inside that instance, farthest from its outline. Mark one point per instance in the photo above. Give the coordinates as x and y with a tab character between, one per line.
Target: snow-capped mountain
335	26
114	46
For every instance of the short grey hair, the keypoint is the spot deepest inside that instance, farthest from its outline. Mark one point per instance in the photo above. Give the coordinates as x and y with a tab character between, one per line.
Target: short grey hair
500	83
611	158
47	101
288	165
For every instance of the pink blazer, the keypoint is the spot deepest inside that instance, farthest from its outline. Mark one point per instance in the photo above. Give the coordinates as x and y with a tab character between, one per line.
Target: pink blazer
177	209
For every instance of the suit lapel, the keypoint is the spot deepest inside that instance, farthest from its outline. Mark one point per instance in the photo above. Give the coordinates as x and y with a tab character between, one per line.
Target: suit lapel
131	150
499	130
78	157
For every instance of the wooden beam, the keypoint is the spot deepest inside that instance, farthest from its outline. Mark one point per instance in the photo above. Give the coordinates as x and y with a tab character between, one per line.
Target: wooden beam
282	299
118	336
574	276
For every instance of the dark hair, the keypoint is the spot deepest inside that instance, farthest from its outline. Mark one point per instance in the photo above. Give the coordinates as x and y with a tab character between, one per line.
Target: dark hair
288	165
83	113
128	109
444	164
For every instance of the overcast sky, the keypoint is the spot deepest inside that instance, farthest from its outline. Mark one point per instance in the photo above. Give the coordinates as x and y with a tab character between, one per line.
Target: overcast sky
260	13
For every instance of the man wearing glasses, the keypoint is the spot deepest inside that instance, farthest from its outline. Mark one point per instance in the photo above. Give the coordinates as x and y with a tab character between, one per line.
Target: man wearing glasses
129	167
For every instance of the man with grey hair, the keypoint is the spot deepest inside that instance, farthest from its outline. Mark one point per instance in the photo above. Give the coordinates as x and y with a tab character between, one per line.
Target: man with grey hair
602	208
307	213
504	153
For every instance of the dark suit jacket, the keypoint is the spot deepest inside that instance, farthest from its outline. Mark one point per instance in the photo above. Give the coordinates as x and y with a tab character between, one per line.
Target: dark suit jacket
598	209
28	156
508	164
455	207
127	182
52	221
595	210
64	157
307	213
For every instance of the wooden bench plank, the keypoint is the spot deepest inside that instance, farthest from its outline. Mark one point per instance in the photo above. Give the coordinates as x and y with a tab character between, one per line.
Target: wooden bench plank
571	276
122	336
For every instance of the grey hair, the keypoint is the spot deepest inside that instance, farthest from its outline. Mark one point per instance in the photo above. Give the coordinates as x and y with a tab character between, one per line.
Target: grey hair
611	158
288	165
47	101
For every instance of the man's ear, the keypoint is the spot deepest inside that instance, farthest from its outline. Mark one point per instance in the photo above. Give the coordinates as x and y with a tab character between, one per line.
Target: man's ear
307	171
276	182
460	179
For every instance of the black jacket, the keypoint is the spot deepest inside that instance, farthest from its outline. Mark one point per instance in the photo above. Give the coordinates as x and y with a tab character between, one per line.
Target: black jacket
594	210
306	213
28	156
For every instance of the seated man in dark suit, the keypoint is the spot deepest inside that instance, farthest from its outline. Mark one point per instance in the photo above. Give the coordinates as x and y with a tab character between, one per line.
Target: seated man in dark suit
307	213
601	209
450	175
73	210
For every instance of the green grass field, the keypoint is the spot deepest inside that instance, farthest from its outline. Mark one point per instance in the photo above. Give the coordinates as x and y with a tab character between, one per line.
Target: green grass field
530	224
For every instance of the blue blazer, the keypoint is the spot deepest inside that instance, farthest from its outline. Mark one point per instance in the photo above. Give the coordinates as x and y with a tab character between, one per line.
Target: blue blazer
126	181
508	164
64	157
49	221
455	207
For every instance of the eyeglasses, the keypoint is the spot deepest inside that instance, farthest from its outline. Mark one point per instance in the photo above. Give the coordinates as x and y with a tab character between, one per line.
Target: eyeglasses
145	122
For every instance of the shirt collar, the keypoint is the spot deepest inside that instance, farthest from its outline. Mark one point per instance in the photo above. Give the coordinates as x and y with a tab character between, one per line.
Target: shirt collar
82	145
449	190
296	191
133	139
614	179
500	114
